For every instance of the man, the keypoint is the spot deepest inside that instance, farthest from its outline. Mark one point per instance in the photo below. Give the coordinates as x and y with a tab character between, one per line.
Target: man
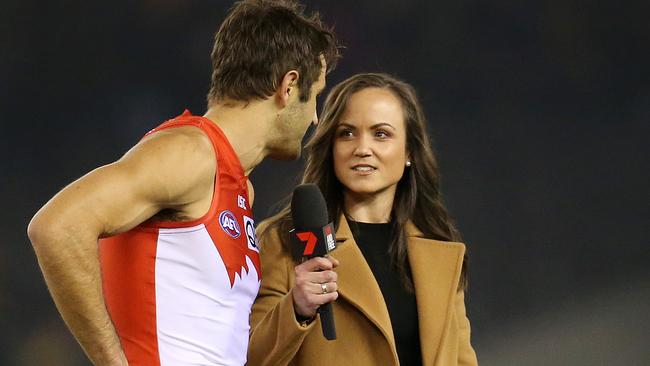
177	268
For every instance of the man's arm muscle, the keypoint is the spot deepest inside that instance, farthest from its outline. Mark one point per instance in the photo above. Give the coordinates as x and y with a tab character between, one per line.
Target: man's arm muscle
172	169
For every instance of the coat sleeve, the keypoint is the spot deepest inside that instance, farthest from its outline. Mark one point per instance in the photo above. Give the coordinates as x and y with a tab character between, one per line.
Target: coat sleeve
276	335
466	354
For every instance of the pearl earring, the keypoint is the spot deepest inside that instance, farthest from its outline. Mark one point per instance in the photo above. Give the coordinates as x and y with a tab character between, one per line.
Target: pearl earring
408	163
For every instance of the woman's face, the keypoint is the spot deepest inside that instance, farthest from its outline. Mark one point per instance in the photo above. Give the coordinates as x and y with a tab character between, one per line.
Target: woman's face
369	147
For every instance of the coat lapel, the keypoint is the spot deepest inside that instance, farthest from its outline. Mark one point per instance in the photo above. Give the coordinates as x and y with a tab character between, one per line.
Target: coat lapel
435	267
357	284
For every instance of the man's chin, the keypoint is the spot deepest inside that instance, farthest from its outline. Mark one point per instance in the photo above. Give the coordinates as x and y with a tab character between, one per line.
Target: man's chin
286	154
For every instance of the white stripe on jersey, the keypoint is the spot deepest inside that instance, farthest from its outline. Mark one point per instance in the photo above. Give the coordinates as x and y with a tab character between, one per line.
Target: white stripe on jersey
201	320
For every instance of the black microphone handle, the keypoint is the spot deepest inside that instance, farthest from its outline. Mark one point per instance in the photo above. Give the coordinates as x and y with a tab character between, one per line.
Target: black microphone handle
327	321
309	215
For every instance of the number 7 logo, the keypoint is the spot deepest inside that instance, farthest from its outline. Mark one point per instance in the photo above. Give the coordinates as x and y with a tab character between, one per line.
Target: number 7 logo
311	240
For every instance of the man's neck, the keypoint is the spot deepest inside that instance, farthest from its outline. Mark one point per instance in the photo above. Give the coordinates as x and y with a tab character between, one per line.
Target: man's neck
246	127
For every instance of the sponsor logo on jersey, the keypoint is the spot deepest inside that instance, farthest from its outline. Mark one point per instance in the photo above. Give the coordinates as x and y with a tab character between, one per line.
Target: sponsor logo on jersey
229	224
251	238
241	202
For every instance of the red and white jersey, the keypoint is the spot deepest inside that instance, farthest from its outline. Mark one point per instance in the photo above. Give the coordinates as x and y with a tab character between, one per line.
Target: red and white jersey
180	293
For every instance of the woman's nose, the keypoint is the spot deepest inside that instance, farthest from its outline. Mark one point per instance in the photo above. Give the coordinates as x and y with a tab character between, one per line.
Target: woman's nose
363	148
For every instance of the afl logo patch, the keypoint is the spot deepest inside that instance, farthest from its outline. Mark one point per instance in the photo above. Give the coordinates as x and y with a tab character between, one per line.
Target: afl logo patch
229	224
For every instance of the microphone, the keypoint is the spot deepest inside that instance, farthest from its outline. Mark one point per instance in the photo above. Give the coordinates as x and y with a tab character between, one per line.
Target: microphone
313	236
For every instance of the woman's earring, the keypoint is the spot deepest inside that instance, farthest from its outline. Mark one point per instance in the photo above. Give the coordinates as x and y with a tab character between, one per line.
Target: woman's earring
408	163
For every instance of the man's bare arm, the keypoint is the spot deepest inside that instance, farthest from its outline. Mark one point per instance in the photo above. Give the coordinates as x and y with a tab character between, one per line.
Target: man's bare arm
172	169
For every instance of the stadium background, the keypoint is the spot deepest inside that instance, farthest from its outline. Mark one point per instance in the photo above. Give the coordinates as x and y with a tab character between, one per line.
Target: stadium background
539	111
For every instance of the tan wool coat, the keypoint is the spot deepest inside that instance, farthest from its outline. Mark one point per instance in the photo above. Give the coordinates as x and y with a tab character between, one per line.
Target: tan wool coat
363	327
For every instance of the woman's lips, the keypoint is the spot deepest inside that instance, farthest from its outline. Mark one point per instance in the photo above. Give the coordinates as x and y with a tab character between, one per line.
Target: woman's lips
363	168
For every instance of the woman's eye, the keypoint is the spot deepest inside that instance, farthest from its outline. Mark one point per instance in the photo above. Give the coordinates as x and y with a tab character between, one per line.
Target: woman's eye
381	134
345	133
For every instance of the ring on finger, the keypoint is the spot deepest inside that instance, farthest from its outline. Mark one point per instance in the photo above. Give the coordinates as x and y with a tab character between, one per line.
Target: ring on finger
323	286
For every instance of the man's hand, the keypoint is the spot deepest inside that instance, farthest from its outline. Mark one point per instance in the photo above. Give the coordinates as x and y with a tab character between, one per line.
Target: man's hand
315	285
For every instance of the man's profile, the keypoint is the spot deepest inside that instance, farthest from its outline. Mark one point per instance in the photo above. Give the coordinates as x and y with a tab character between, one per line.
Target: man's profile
176	269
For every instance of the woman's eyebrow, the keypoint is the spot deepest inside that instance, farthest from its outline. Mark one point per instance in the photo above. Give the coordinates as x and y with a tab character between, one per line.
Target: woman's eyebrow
382	124
344	124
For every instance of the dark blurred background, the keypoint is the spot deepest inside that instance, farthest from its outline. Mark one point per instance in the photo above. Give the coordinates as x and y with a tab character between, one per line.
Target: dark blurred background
540	116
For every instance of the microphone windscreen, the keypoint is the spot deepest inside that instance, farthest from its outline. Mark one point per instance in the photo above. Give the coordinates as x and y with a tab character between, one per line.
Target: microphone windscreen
308	208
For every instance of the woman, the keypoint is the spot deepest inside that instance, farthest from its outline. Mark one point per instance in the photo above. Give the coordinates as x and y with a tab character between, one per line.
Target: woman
402	273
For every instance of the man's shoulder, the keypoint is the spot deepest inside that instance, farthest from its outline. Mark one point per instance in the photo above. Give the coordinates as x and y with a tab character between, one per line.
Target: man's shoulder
179	137
174	159
185	144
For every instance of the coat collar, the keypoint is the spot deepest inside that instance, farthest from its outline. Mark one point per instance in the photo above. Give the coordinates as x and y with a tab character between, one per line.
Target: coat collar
435	266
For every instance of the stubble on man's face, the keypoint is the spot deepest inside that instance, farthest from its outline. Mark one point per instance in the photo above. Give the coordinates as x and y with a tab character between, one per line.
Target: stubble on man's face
290	127
293	123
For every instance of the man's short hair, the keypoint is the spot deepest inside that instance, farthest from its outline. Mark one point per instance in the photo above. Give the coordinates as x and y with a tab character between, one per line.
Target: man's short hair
260	41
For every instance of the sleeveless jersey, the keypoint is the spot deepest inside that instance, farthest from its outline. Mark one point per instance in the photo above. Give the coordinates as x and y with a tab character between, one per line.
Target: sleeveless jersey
180	293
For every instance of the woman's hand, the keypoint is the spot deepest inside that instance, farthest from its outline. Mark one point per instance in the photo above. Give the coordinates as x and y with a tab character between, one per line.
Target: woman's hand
315	285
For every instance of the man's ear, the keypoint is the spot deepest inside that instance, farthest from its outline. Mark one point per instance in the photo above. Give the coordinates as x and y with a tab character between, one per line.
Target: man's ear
288	87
